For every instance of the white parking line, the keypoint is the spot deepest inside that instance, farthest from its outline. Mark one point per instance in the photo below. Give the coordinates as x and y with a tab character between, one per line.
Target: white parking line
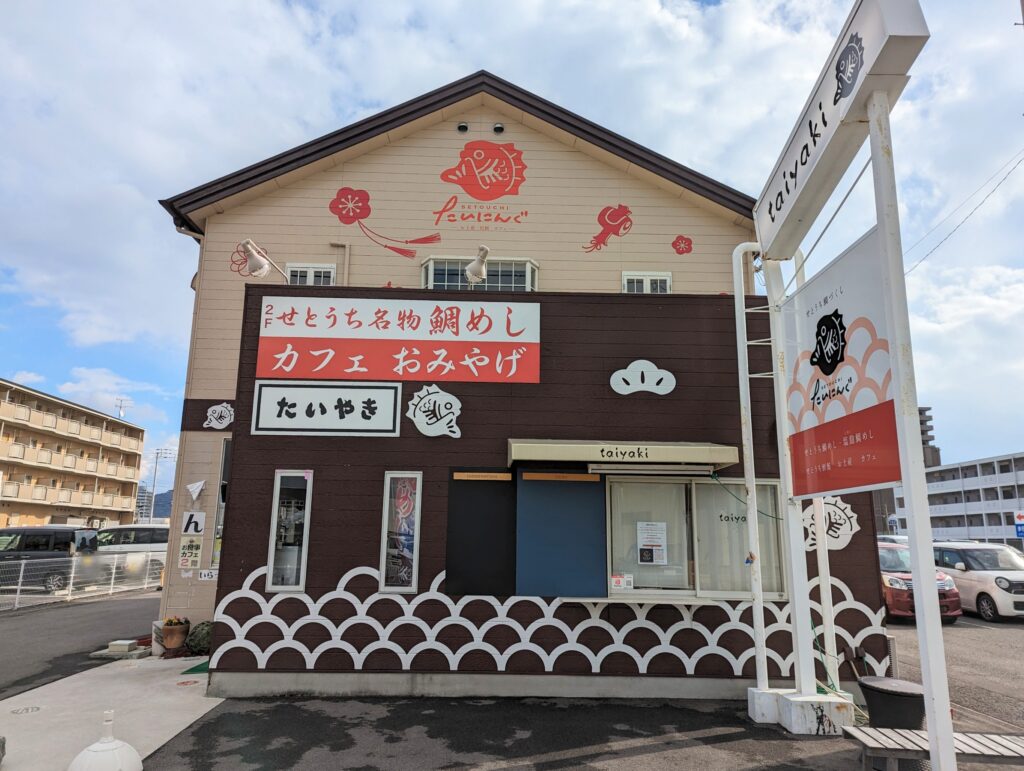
977	626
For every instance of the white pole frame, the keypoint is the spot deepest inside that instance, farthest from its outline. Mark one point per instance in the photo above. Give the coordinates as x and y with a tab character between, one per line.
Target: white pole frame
749	479
908	430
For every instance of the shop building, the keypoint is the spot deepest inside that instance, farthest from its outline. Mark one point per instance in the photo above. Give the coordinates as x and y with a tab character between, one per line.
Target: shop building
411	486
63	463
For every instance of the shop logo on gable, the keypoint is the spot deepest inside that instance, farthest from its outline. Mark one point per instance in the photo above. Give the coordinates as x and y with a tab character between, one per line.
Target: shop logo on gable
848	67
830	343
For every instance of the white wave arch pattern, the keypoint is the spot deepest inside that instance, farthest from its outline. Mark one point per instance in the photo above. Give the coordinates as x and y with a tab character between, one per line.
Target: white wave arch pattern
866	362
547	621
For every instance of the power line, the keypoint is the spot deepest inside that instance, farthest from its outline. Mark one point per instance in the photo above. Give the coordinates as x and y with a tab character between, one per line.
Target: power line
961	222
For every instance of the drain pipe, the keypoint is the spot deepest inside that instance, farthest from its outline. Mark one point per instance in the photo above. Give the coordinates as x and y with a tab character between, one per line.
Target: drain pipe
746	429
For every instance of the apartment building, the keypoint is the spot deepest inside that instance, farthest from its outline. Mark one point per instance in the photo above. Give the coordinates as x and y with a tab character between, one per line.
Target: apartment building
63	463
974	499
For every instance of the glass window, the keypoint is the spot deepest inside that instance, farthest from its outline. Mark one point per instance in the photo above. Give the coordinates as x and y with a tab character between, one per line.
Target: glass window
62	540
222	497
650	536
311	275
106	537
993	559
722	538
400	529
10	541
288	538
502	275
646	283
160	535
35	542
144	535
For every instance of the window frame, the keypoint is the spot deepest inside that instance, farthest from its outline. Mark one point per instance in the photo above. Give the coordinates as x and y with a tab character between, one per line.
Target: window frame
275	505
646	276
427	273
413	588
310	267
696	594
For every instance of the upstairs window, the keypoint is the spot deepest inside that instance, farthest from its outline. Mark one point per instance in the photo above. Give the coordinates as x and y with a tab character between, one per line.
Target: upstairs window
312	274
503	275
646	283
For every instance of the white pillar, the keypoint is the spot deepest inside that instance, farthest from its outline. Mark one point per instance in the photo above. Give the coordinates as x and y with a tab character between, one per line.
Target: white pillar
746	430
828	619
799	589
908	429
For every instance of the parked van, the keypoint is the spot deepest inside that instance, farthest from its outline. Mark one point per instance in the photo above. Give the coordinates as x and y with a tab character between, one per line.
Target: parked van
45	542
132	538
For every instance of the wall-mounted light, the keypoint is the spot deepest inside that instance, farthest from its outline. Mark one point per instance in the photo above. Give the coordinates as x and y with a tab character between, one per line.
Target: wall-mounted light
499	128
476	271
463	127
257	261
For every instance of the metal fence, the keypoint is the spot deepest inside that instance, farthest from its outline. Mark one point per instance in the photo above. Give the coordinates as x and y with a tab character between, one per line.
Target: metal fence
34	582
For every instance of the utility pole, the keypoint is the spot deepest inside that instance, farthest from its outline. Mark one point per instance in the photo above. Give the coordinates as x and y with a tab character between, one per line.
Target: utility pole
163	452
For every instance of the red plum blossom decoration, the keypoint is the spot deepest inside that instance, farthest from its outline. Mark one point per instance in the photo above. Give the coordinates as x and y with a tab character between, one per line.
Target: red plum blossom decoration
683	245
352	206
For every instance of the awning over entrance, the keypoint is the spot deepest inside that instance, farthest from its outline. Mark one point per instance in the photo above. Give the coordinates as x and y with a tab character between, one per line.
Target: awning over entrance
681	454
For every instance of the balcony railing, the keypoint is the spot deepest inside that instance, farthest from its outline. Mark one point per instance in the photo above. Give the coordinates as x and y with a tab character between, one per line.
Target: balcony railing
63	496
47	421
41	456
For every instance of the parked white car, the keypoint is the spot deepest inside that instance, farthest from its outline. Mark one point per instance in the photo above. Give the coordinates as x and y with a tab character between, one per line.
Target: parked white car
990	577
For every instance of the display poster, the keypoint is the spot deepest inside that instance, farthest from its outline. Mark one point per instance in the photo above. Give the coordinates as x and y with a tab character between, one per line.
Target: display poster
401	517
323	408
334	338
652	543
839	397
190	551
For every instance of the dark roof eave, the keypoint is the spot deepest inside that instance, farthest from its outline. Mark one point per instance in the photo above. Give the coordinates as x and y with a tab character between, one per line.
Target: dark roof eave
181	205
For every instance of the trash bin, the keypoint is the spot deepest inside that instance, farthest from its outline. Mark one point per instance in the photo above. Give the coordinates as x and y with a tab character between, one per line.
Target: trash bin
895	703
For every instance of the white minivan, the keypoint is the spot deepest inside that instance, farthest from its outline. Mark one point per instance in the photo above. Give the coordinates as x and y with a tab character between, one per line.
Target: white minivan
142	542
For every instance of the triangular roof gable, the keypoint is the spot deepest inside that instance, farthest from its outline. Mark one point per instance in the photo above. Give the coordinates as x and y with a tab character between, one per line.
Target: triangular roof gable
181	206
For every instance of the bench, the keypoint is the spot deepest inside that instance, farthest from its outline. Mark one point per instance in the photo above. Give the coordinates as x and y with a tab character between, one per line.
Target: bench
895	743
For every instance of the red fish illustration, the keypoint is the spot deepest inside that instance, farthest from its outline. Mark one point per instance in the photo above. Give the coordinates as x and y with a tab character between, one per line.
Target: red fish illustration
614	221
487	170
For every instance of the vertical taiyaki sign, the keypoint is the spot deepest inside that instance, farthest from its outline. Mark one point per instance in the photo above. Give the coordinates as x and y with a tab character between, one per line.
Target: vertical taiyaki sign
839	396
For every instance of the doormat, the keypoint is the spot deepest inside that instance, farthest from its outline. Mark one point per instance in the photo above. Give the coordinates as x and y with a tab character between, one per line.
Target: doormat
198	668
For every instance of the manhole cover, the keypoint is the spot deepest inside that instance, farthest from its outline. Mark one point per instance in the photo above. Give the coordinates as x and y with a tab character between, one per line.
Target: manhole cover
187	682
24	710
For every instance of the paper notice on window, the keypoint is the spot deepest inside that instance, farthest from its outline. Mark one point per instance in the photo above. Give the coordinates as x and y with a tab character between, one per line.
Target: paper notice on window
622	580
652	543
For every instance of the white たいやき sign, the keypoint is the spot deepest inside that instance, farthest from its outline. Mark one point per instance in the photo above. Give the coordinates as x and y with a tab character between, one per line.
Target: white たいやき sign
326	408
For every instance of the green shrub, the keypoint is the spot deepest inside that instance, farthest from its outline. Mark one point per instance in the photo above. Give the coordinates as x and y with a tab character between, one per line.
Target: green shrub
198	640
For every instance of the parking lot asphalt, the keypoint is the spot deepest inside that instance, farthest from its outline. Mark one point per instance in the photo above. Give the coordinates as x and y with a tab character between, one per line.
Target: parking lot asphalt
44	643
983	660
490	734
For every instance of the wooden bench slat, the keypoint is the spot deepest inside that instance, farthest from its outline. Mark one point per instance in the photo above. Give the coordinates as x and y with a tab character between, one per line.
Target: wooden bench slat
921	742
962	743
863	738
992	747
1005	742
1017	741
882	736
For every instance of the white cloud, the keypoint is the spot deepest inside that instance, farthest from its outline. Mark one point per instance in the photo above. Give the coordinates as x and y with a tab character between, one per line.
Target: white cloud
101	388
25	377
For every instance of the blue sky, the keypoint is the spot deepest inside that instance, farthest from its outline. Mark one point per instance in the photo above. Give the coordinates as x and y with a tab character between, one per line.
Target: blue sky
103	116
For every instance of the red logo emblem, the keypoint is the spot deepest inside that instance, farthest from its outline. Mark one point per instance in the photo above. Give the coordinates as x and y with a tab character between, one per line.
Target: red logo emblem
614	221
487	170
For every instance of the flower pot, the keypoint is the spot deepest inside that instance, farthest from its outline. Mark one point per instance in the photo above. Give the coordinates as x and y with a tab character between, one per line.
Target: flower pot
174	636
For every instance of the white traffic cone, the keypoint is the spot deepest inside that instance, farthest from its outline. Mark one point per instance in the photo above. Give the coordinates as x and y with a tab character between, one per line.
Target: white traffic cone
108	754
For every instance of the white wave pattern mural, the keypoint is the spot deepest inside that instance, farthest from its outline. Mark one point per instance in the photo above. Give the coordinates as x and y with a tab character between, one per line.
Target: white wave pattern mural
776	620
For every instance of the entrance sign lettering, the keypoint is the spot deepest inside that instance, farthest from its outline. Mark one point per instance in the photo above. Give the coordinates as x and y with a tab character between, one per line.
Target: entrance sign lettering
316	338
842	425
317	408
879	42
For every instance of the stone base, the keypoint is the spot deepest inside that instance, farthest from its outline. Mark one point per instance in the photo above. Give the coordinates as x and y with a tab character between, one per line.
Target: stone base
814	715
763	705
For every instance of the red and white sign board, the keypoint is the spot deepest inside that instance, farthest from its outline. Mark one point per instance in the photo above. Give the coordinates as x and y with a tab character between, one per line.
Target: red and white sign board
839	395
313	338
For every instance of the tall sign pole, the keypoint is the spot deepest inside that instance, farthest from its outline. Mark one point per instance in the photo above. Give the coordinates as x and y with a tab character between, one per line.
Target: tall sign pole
908	429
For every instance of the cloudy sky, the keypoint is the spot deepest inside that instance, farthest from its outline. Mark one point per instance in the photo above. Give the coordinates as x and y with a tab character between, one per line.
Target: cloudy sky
107	108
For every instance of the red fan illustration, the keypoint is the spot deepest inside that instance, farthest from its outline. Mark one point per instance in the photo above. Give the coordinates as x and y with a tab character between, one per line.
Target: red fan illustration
614	221
353	206
487	170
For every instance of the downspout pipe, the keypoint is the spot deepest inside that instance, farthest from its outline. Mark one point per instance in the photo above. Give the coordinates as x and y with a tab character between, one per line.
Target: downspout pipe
739	257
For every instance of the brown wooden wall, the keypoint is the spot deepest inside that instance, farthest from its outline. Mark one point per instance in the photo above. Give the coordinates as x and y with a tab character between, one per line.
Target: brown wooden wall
584	338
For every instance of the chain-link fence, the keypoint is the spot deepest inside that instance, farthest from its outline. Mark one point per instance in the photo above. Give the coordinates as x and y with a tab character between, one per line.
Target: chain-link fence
33	582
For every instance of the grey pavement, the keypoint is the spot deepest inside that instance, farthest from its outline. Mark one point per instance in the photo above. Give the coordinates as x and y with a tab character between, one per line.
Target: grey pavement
41	644
490	734
983	661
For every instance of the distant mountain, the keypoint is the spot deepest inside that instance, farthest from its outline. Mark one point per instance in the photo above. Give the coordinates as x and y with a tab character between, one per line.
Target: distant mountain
162	505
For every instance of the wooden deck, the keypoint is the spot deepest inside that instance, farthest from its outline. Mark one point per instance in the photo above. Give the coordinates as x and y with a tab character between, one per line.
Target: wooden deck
895	743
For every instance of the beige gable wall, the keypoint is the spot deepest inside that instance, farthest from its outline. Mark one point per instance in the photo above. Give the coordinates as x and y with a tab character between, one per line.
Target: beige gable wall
563	193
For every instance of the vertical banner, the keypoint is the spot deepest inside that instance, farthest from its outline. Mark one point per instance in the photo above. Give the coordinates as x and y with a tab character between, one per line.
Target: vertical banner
839	396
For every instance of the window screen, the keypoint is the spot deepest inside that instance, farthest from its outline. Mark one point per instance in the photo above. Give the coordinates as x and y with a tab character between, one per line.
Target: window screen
651	538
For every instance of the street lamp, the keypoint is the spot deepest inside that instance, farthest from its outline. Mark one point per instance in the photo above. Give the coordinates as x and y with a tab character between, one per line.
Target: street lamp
162	452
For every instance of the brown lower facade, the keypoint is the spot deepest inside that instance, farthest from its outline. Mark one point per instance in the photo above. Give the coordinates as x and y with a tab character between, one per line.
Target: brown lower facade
576	529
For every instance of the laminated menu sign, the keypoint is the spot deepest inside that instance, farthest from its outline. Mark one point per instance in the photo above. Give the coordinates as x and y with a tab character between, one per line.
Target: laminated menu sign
842	419
652	543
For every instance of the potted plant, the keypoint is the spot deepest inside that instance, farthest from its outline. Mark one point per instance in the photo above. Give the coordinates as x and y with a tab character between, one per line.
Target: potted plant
174	632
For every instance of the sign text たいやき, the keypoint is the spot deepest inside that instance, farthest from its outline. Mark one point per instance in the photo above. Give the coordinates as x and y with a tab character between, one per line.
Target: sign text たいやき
326	408
321	338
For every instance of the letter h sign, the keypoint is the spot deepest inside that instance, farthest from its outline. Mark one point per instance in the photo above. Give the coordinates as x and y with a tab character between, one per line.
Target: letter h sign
194	523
